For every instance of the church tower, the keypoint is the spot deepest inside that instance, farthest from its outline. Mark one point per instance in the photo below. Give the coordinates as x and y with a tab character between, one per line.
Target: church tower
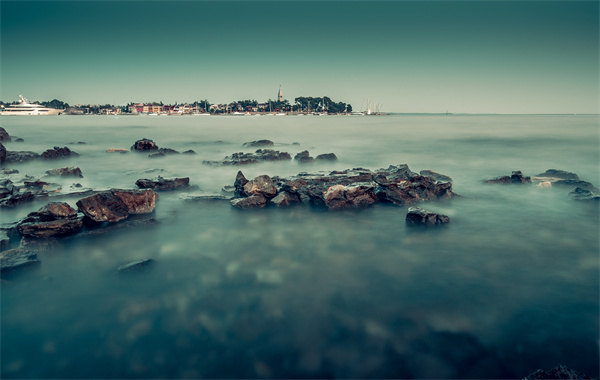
280	95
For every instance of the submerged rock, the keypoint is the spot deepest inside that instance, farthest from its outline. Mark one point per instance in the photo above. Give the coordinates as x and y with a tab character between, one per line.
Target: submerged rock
417	216
261	155
580	194
144	145
258	143
515	178
558	372
561	174
163	184
20	157
135	266
326	157
57	152
163	152
65	172
17	259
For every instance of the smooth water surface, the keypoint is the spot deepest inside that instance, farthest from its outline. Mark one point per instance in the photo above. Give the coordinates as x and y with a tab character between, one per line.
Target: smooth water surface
510	286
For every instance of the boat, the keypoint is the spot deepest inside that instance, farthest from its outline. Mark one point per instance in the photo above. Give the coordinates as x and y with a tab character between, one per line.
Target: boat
24	108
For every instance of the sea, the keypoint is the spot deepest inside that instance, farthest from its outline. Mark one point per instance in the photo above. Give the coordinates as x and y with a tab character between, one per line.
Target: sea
509	286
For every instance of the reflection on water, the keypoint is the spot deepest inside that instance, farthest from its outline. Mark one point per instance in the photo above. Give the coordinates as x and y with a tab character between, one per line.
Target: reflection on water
509	287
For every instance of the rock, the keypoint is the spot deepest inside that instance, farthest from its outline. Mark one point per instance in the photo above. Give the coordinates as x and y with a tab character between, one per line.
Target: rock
116	150
137	201
103	207
4	136
20	157
254	201
144	145
17	259
580	194
576	183
358	195
258	143
163	184
436	176
302	154
284	199
260	155
57	152
326	157
117	204
57	210
135	266
304	157
261	185
515	178
189	151
59	227
66	172
163	152
558	372
2	154
240	182
555	173
19	140
17	199
416	216
8	171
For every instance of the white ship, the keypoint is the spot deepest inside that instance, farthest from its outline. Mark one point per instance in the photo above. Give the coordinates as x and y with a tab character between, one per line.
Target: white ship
25	108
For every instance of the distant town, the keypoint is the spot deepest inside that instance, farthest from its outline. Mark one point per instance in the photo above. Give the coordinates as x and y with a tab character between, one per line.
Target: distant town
280	106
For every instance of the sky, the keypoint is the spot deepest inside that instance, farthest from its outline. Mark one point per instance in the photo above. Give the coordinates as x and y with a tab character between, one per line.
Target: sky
407	56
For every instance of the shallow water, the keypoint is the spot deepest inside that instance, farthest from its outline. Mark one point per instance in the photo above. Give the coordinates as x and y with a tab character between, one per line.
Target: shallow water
509	287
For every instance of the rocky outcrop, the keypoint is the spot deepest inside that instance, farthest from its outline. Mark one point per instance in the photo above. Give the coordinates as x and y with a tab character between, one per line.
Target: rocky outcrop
144	145
4	136
163	184
515	178
558	372
261	155
435	175
66	172
258	143
336	190
417	216
57	152
116	205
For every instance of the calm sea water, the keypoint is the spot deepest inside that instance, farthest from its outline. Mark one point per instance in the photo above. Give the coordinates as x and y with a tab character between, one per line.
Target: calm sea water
509	287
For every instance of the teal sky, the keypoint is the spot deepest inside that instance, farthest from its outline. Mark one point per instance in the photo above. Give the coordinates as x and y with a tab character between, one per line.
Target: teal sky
429	56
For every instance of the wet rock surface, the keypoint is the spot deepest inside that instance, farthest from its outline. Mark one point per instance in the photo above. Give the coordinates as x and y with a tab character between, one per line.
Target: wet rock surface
163	184
417	216
558	372
144	145
353	188
4	136
261	155
304	157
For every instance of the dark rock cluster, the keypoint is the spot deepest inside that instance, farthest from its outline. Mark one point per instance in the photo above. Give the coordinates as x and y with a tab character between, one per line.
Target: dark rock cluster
417	216
558	372
515	178
58	152
116	205
353	188
258	143
65	172
144	145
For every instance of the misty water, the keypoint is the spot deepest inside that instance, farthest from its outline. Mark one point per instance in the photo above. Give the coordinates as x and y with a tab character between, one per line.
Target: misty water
508	287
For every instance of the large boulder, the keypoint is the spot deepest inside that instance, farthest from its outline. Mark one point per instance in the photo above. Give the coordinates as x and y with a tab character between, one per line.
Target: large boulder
254	201
52	220
57	152
57	210
417	216
116	204
163	184
144	145
326	157
357	195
